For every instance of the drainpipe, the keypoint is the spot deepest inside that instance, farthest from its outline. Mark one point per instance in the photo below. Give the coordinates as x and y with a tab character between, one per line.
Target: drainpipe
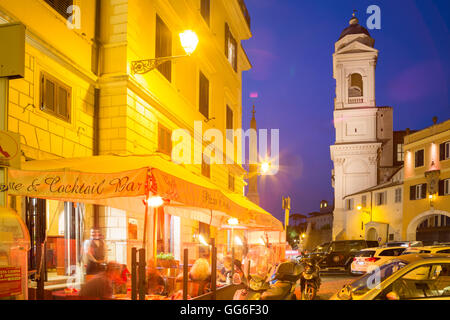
96	70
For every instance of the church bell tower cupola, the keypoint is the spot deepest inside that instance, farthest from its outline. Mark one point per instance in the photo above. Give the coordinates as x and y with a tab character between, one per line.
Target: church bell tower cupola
354	62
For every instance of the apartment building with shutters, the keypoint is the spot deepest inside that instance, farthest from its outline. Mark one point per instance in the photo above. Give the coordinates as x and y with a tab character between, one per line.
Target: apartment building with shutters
426	205
79	98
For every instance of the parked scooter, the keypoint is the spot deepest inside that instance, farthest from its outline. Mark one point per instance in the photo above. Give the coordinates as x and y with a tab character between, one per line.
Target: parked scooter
287	274
310	279
255	286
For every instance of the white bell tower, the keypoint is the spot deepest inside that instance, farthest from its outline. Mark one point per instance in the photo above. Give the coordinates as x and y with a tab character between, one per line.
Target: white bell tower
356	148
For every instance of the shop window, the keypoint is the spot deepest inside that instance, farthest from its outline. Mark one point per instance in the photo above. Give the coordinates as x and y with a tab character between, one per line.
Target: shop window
163	47
444	151
419	158
400	153
204	95
230	47
229	124
55	97
205	10
206	167
164	140
60	6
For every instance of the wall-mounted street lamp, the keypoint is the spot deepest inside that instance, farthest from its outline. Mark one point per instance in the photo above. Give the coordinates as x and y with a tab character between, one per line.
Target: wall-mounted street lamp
369	212
189	42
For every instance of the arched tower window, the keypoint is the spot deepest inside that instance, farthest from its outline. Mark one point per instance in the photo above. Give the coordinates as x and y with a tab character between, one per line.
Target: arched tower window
355	87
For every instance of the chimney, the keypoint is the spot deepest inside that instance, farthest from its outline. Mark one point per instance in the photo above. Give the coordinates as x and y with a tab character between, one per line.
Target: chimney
407	131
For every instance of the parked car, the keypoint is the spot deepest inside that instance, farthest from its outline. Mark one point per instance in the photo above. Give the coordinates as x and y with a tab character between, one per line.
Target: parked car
407	277
338	255
403	244
428	249
368	258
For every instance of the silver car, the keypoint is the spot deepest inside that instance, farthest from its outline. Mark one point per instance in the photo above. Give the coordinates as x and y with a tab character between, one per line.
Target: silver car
409	277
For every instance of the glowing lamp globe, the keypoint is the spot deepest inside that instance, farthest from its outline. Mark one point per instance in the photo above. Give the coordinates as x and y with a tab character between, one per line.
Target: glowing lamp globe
233	221
265	166
155	201
238	241
189	41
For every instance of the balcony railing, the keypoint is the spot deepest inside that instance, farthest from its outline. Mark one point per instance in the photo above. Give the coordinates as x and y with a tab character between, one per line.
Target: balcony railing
245	12
355	100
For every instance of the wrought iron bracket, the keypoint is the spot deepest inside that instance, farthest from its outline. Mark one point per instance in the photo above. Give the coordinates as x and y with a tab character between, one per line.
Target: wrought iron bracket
147	65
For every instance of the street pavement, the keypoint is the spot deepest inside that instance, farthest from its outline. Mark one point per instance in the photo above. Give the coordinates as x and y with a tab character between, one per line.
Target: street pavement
331	284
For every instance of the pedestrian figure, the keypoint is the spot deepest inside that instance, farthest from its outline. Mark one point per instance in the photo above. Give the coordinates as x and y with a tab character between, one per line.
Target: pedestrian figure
94	249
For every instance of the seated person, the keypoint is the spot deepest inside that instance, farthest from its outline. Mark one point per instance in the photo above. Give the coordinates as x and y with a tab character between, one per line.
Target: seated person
101	285
200	271
226	269
155	283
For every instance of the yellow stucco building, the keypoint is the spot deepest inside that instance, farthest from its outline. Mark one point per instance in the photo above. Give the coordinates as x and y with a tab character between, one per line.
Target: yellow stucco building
426	205
79	98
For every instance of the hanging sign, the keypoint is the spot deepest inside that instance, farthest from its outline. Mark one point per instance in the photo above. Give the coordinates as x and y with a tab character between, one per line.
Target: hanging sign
73	185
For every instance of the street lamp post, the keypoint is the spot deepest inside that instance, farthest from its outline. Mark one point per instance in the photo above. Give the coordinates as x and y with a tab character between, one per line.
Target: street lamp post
189	42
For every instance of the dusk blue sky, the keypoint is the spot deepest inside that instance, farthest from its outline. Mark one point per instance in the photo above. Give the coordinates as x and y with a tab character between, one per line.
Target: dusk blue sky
291	53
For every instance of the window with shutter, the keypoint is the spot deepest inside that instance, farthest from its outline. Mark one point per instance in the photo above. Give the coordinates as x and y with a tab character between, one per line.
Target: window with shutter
55	97
206	167
419	158
229	123
442	151
163	47
424	191
445	152
230	47
205	10
164	140
444	187
380	198
400	154
398	195
364	201
204	95
349	204
60	6
412	193
231	182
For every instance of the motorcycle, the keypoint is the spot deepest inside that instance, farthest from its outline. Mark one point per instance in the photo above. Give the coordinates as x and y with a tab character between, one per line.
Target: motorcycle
310	279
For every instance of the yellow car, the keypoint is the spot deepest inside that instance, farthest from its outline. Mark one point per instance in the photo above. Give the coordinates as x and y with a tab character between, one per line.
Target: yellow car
406	277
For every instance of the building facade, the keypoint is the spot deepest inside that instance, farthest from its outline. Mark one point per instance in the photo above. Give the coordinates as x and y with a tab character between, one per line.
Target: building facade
79	98
376	213
426	206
